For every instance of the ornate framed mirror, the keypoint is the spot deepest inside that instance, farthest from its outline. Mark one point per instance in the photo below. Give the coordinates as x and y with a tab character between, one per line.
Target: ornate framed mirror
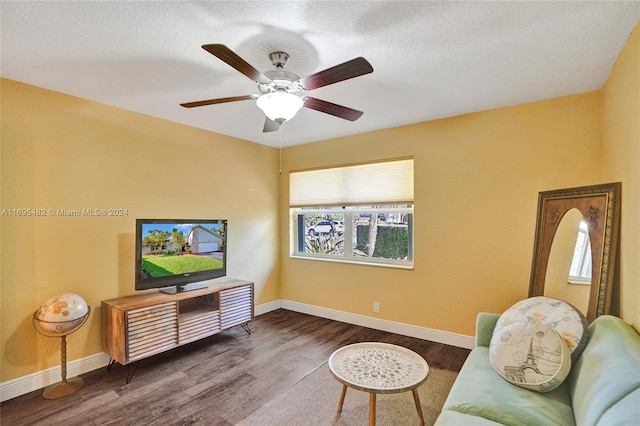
573	263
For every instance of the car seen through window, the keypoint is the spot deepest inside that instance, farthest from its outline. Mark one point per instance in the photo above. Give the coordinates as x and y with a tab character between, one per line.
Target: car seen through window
324	228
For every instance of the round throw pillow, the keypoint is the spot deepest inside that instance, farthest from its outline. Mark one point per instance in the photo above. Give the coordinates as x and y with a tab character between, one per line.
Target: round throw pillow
558	314
529	355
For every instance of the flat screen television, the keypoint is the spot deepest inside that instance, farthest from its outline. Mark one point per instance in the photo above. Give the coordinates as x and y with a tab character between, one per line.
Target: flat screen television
174	255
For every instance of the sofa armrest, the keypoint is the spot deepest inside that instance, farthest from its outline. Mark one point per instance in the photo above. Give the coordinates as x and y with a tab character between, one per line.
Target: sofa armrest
485	323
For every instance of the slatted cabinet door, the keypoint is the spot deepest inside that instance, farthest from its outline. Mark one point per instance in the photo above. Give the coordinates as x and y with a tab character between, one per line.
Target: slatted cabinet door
151	330
198	317
236	306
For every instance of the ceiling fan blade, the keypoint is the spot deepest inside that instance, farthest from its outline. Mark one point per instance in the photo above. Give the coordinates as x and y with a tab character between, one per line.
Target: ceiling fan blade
227	55
333	109
270	125
218	101
350	69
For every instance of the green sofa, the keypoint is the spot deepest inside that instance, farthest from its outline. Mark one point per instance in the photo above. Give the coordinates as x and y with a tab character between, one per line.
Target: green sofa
603	387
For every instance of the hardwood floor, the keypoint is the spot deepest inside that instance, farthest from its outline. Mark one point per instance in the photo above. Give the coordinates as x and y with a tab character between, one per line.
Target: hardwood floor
216	381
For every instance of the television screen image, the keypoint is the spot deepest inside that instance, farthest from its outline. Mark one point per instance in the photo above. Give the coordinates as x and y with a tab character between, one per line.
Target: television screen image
179	252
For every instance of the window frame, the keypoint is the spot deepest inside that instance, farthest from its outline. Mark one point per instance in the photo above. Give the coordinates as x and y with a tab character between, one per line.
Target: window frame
297	230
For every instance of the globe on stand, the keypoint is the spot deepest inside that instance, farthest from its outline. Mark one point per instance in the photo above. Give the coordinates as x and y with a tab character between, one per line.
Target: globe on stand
60	316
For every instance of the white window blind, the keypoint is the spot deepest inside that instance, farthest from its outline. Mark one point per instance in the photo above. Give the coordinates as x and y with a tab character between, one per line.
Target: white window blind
383	182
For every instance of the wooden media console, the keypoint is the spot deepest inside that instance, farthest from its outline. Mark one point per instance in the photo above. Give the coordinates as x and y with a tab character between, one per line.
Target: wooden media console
139	326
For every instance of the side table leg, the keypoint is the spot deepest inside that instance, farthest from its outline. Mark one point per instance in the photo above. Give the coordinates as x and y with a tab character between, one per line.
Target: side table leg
416	399
372	409
342	395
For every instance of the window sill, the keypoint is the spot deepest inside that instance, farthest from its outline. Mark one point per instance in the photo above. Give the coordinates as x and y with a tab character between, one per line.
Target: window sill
354	262
579	281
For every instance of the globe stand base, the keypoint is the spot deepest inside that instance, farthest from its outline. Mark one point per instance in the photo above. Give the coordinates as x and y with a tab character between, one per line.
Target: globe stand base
62	389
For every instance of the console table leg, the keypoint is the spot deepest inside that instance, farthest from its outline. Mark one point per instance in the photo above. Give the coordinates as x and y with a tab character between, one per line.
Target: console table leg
128	375
246	328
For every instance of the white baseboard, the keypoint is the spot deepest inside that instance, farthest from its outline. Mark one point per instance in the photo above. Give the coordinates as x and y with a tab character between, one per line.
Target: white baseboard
38	380
453	339
268	307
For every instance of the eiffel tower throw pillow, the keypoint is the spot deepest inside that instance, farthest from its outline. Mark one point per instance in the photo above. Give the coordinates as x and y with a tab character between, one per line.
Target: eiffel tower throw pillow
555	313
529	355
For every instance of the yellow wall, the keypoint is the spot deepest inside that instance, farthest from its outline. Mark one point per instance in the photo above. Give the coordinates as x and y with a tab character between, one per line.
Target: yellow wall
621	140
477	179
62	152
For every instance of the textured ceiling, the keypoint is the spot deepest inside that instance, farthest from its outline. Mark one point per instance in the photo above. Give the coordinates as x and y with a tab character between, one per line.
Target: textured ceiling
431	59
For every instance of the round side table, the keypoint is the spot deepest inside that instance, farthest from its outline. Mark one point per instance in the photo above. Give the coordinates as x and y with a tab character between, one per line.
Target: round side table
378	368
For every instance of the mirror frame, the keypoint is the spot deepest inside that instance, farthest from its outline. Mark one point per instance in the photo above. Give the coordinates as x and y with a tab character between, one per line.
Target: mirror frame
600	207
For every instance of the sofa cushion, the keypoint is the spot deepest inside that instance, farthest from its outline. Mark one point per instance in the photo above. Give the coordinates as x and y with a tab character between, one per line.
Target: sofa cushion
605	380
480	391
625	412
460	419
562	316
532	356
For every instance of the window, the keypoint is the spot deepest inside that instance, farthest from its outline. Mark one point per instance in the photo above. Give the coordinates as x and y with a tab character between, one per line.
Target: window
362	234
358	214
580	271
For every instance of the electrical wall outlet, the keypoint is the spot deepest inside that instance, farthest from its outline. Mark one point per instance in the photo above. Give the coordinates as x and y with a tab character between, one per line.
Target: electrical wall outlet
376	307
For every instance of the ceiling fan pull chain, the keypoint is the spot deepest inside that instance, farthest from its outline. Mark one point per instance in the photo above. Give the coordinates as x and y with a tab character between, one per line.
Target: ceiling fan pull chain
280	153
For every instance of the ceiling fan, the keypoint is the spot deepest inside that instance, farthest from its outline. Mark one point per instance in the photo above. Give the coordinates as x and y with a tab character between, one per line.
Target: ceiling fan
283	93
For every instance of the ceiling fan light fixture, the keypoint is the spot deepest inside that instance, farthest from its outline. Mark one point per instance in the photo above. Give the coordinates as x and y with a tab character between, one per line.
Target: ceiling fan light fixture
280	106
